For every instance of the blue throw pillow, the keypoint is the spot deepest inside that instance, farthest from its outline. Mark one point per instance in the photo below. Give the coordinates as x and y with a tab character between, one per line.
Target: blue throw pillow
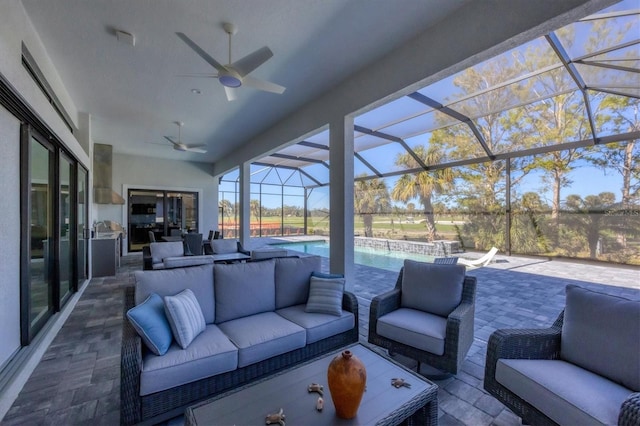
150	321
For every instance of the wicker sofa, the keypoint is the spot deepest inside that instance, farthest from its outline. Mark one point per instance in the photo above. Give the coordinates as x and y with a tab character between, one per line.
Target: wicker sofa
584	369
256	325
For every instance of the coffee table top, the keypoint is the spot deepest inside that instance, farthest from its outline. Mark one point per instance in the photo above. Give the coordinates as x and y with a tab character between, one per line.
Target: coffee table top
381	404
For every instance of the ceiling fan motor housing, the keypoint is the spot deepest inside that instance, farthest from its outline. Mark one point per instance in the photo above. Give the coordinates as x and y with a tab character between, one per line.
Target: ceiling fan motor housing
230	78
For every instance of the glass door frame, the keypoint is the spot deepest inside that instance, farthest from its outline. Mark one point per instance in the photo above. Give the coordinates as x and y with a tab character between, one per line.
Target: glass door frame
71	230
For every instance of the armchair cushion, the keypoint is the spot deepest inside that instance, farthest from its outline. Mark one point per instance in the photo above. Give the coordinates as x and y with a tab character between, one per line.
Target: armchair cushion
185	317
224	246
325	295
414	328
601	333
161	250
565	392
432	288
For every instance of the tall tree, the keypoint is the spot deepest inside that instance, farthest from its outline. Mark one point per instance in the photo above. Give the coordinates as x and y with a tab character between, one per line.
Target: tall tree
590	219
423	185
371	197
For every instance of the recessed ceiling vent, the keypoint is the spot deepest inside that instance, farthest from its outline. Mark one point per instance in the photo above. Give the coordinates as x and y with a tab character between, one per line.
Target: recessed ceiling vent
102	176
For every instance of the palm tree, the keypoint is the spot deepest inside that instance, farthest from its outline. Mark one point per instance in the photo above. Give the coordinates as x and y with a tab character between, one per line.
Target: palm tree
423	185
370	196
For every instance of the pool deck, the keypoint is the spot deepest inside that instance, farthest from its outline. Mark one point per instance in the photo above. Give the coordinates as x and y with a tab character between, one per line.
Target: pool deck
77	381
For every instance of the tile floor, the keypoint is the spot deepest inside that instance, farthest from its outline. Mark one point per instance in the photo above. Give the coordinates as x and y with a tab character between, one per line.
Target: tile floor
77	381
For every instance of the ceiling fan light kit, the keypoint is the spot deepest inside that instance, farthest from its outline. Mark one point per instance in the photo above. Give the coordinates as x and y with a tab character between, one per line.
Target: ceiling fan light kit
236	74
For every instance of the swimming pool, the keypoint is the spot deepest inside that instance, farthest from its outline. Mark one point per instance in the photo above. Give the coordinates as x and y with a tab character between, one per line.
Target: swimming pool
383	259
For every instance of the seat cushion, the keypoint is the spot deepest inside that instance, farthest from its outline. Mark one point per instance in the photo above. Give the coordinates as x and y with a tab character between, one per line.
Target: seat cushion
432	288
292	279
564	392
224	246
150	321
209	354
168	282
244	289
161	250
601	333
267	253
414	328
182	261
185	317
262	336
325	295
318	326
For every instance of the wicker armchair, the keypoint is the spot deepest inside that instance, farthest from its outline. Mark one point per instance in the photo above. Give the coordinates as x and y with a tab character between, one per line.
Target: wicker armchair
459	327
539	344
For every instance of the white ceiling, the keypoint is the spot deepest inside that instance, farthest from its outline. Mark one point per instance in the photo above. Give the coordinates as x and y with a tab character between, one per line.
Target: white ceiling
135	94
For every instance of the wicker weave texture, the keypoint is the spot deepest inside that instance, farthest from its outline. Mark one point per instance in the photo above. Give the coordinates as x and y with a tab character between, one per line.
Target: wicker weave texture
158	406
459	332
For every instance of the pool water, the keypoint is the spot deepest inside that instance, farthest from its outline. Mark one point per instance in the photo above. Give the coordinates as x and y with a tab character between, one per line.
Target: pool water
383	259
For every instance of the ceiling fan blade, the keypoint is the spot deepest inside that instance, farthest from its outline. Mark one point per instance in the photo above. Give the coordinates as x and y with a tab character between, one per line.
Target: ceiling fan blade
172	141
231	93
199	75
196	148
252	61
265	86
204	55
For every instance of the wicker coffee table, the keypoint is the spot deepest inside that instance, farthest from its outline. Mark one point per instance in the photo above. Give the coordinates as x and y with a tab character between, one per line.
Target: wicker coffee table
382	404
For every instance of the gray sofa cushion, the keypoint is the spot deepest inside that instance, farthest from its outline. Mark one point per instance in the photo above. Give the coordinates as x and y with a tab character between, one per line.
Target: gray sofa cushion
244	289
564	392
262	336
292	279
182	261
161	250
224	246
209	354
602	334
168	282
318	326
267	253
415	328
432	288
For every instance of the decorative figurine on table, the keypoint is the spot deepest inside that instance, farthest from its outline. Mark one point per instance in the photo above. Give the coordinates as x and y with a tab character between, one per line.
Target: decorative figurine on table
398	383
314	387
275	418
320	404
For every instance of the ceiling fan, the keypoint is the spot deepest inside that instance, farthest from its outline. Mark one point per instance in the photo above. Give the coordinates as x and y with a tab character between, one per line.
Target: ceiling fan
180	146
236	74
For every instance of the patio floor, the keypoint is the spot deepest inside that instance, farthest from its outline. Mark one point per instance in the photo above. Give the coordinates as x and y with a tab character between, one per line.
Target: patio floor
78	379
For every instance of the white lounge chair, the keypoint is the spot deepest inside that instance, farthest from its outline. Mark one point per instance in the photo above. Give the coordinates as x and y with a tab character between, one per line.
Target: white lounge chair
477	263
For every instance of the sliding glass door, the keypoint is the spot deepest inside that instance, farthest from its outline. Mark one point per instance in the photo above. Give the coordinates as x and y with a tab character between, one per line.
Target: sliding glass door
156	213
37	296
82	236
66	229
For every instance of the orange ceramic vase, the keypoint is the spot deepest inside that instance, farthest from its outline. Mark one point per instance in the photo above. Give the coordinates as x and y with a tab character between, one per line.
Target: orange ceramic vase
347	379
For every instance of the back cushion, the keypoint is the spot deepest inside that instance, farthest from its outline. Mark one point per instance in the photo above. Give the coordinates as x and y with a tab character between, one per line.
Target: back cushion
432	288
161	250
224	246
168	282
601	333
244	289
292	279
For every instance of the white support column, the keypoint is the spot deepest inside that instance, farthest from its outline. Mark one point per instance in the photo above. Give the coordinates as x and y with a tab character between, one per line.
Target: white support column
245	209
341	198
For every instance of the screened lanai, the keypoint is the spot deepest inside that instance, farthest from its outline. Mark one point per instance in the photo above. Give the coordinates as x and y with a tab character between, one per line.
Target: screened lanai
533	151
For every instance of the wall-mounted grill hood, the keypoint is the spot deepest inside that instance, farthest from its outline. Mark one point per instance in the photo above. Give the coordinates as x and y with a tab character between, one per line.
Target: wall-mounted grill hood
103	192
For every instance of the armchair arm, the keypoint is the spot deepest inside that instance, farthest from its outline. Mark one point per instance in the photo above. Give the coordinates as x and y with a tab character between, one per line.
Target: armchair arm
540	343
130	366
630	411
381	305
147	260
460	323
